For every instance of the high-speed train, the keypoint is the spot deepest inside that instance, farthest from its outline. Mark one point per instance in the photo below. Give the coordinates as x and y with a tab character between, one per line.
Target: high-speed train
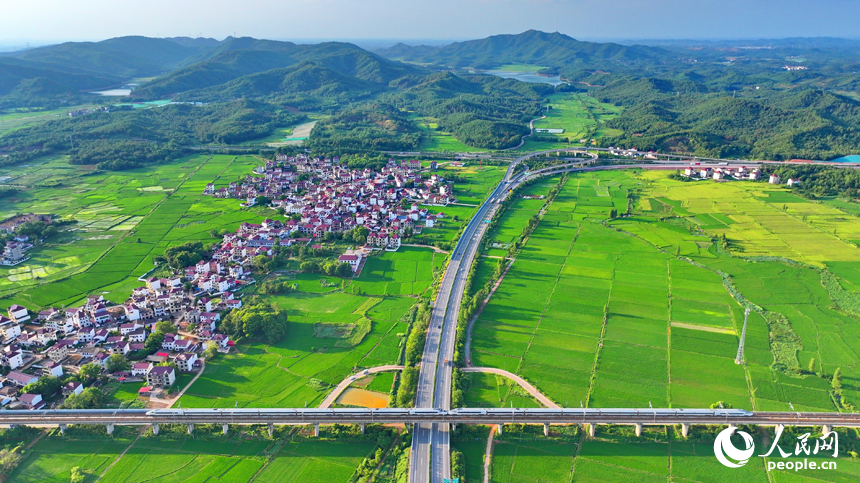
603	412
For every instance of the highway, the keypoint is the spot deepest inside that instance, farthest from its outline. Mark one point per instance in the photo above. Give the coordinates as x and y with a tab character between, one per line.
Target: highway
431	442
230	416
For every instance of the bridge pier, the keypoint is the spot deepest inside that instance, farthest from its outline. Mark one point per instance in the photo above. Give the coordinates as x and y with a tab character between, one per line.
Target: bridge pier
63	429
109	428
225	428
638	429
155	429
271	430
685	429
317	430
500	428
825	430
591	427
546	429
362	428
190	427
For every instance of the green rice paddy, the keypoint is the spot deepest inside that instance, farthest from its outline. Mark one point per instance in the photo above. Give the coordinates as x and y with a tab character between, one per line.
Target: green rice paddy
632	311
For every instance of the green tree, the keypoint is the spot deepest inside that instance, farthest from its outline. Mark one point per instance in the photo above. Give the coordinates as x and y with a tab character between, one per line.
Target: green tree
257	320
153	342
45	386
344	270
89	372
309	266
836	383
116	363
165	327
77	476
89	398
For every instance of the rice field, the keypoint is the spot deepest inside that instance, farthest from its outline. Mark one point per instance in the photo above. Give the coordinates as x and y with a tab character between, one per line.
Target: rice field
173	456
614	455
634	311
121	220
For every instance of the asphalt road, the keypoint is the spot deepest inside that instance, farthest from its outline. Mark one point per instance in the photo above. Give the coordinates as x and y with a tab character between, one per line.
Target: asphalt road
435	379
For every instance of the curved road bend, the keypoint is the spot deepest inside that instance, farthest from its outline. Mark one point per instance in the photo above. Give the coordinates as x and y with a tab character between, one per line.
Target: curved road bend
547	402
332	397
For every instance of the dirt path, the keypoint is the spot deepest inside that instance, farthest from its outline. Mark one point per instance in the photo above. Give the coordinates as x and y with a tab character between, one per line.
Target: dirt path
468	348
171	401
488	455
704	328
332	397
139	434
519	380
435	249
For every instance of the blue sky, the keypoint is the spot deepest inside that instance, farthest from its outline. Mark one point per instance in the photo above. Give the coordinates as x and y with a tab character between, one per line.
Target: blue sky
52	20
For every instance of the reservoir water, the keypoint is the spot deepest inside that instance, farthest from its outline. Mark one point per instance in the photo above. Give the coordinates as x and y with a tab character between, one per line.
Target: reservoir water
854	158
525	76
113	92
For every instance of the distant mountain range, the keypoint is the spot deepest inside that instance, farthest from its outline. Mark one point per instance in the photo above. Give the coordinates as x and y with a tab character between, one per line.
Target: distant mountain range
530	47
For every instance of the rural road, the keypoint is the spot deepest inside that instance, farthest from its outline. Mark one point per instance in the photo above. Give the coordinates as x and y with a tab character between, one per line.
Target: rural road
531	133
332	397
547	402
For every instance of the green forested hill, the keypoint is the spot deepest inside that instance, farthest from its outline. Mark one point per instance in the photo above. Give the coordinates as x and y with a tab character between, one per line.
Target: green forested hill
124	57
305	86
777	125
127	139
530	47
232	63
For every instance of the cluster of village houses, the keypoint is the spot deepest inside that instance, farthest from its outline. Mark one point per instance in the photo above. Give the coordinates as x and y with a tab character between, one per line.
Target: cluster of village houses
326	196
725	173
329	198
15	250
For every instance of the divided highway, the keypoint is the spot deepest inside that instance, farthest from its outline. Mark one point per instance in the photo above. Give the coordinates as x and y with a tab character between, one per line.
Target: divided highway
431	442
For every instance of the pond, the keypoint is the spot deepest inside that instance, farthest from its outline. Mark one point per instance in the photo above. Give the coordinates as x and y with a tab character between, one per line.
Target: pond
354	396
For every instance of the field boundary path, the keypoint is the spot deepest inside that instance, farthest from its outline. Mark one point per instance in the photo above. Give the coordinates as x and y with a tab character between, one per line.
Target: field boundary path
434	248
468	345
332	397
519	380
488	455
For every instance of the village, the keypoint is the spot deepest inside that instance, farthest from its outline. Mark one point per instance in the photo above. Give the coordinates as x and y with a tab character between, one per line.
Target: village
170	324
726	173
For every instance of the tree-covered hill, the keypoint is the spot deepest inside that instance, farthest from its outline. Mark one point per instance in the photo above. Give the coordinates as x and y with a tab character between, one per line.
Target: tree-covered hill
128	139
530	47
778	125
124	57
231	64
304	86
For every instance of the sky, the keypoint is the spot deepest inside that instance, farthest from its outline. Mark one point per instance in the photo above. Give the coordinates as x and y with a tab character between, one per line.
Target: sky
47	21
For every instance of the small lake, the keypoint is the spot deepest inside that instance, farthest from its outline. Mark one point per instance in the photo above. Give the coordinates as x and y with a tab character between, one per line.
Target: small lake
525	76
113	92
855	158
354	396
